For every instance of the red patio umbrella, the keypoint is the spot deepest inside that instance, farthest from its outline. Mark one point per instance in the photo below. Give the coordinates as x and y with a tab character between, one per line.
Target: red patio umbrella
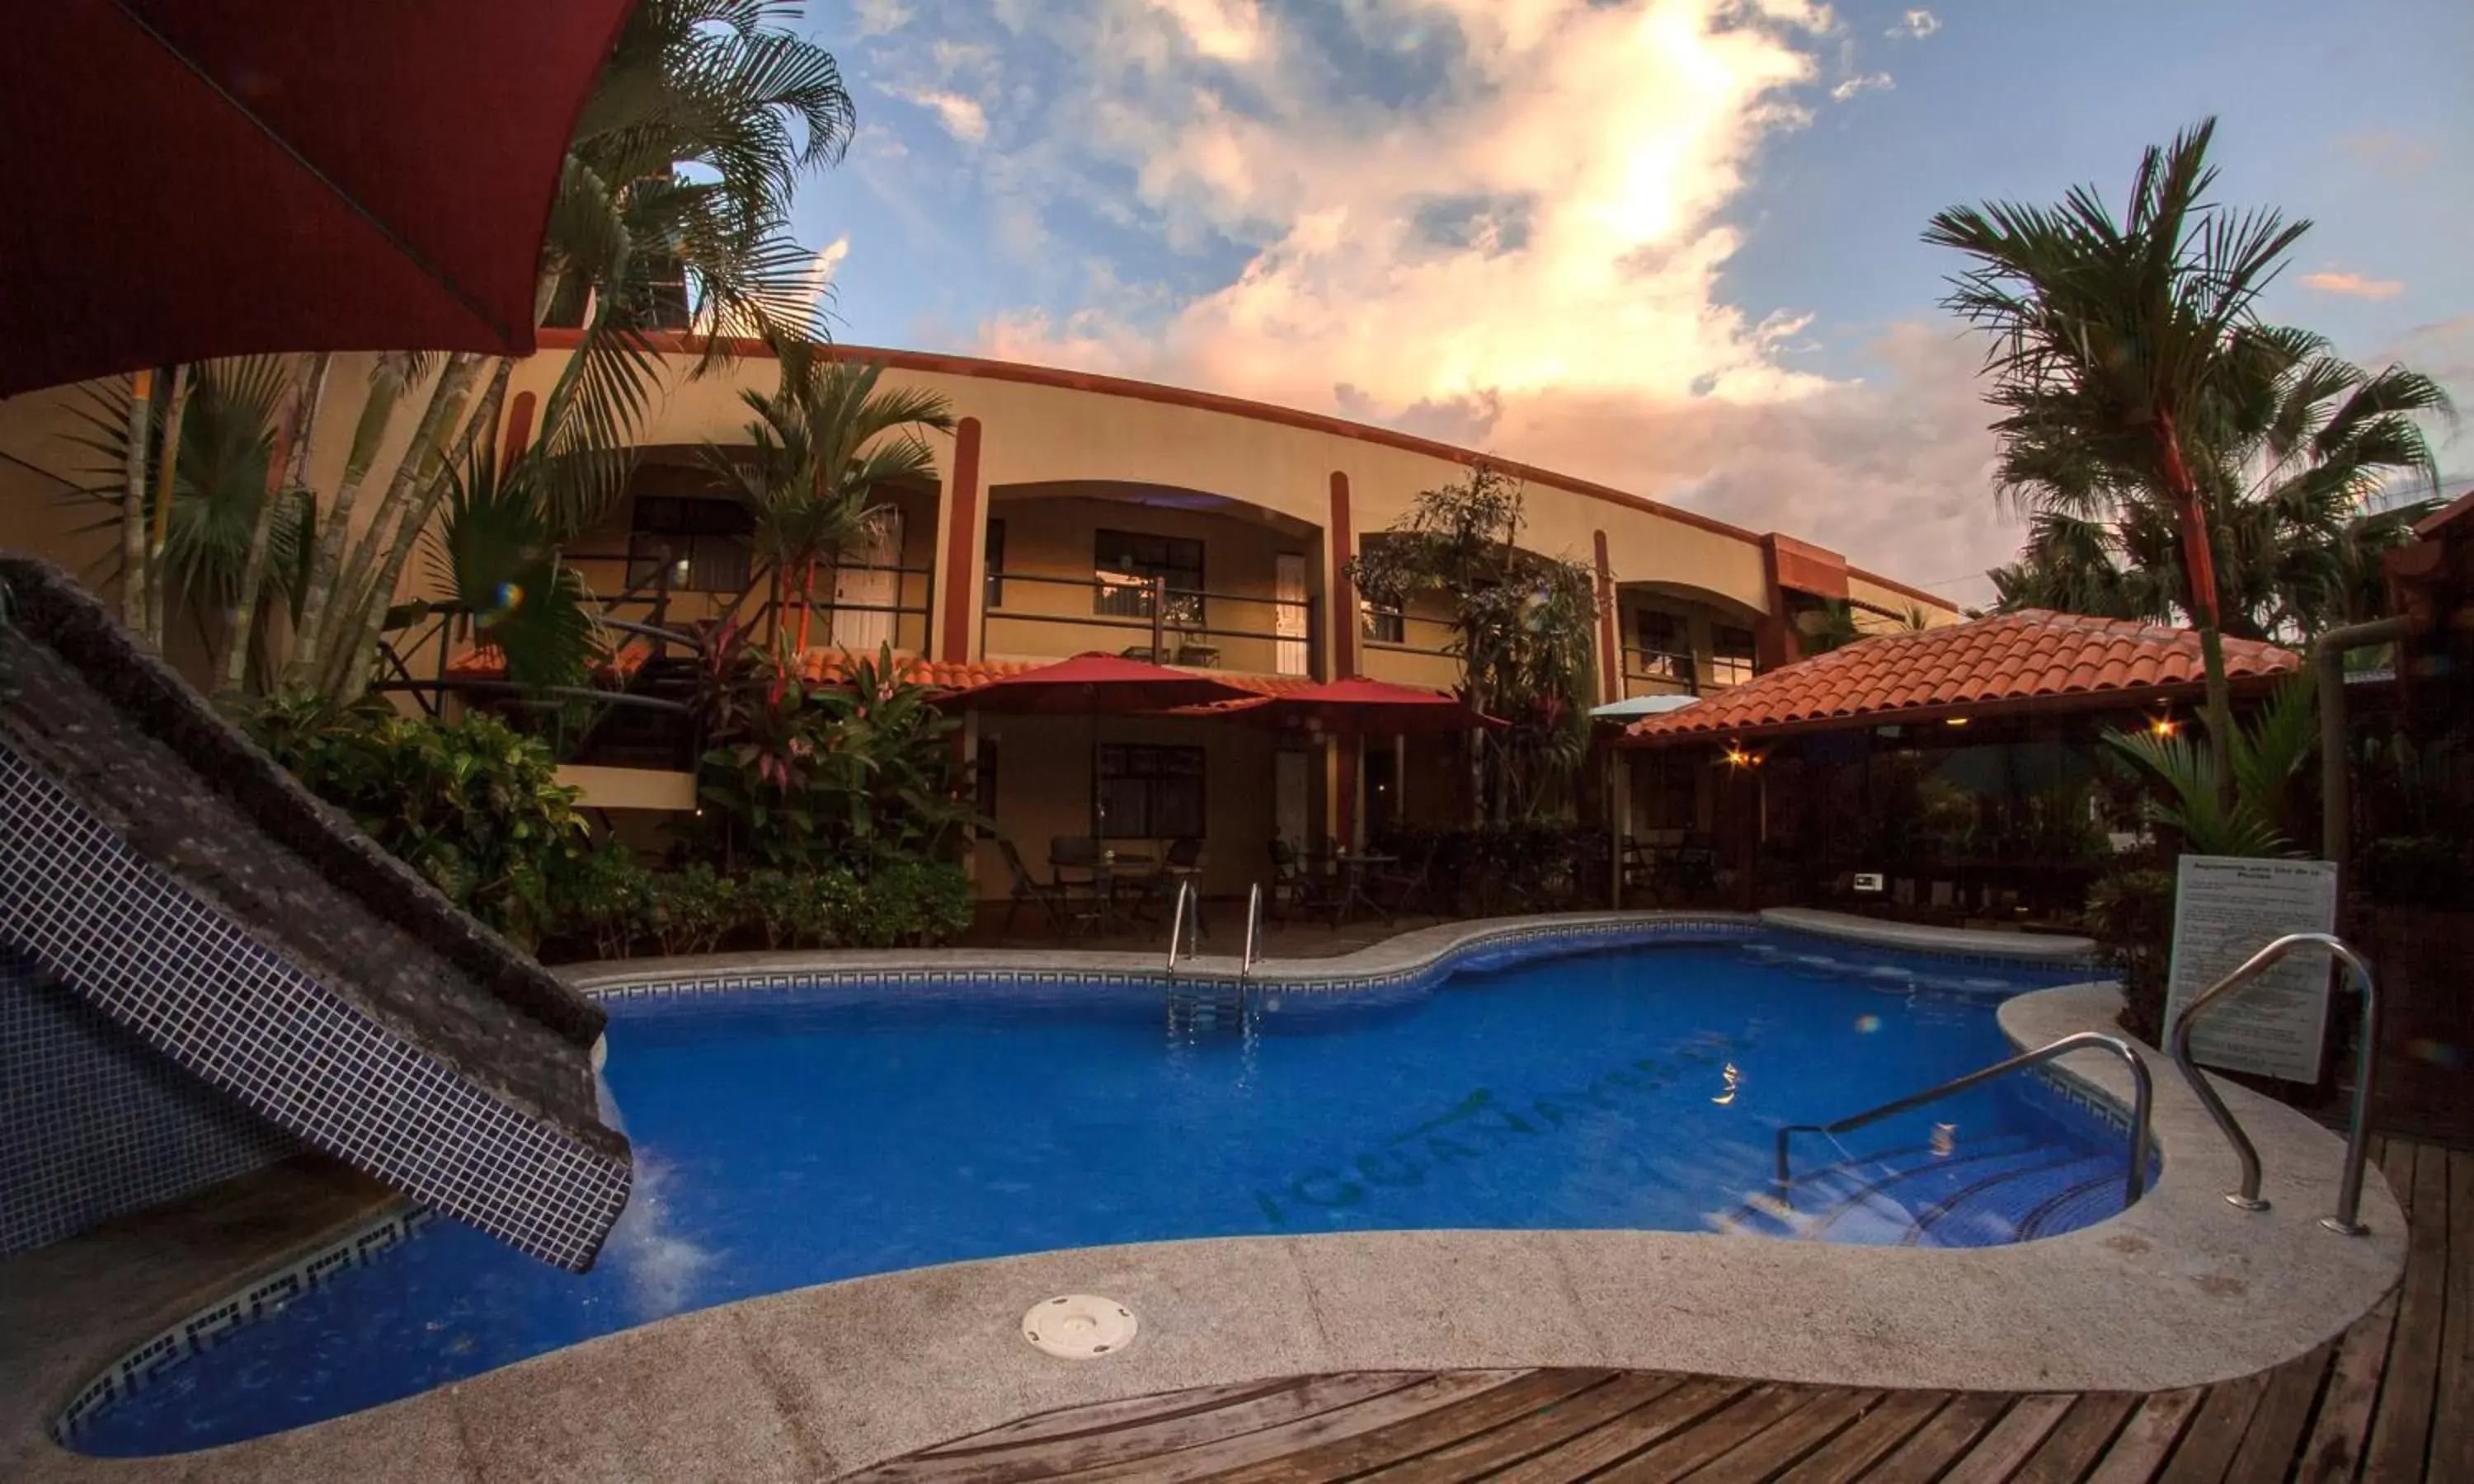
1360	707
210	178
1095	684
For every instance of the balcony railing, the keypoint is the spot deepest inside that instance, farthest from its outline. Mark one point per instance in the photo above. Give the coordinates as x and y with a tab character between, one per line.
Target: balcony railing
1658	672
659	600
1151	621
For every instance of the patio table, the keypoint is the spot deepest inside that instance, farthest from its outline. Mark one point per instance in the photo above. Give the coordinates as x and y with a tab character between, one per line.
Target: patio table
1353	866
1103	874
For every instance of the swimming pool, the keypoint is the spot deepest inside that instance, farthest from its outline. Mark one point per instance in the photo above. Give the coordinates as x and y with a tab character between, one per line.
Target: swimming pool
793	1137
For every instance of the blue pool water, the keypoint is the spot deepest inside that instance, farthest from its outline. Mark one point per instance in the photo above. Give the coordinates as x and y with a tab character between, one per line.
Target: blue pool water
792	1138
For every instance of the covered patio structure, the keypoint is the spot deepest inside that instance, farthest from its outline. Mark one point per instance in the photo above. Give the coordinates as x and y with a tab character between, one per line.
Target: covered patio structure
1953	775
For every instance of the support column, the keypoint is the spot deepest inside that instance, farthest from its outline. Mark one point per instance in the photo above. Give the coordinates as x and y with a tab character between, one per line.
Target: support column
1341	594
1773	636
1610	687
958	566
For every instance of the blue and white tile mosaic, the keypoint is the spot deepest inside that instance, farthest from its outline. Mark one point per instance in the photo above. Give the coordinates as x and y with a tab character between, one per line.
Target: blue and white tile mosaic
184	979
93	1122
147	1362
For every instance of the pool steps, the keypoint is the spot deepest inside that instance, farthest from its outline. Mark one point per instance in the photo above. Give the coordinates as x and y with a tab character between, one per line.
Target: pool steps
2013	1189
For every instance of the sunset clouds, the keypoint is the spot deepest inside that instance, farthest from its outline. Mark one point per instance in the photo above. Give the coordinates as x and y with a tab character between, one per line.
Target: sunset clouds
1517	224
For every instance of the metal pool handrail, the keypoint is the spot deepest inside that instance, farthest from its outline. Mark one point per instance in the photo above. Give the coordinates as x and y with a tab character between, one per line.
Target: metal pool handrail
2143	1093
2349	1190
1176	922
1254	943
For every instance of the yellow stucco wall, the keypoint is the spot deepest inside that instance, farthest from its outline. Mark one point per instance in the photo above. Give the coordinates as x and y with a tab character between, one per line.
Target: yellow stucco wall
1044	780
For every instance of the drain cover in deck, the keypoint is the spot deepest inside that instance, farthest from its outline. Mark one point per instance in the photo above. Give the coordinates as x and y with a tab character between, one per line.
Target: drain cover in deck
1078	1326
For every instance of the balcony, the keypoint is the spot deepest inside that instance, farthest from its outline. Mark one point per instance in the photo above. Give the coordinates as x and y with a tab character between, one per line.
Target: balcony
1046	615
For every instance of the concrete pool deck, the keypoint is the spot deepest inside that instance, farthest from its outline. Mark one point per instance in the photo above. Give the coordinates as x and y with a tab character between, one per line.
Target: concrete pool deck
2179	1290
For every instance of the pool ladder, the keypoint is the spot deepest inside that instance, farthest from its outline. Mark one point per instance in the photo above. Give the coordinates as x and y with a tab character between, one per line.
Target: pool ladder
2347	1219
1186	909
1189	906
2143	1093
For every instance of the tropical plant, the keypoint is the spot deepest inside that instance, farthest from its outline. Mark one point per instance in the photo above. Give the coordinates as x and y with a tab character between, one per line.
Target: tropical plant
2248	811
1524	630
473	806
225	509
494	548
802	776
819	450
2115	340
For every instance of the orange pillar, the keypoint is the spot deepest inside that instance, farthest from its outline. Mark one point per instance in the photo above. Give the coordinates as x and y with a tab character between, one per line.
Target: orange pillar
962	541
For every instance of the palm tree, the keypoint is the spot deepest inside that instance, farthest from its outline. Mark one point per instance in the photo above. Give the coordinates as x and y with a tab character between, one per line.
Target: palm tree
672	211
2110	338
824	443
2291	460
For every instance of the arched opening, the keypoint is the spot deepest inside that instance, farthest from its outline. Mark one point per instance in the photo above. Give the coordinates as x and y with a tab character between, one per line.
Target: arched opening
1677	639
678	551
1181	577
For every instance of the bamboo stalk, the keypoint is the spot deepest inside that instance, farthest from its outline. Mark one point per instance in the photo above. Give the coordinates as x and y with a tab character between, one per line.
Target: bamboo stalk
132	504
159	582
352	663
287	470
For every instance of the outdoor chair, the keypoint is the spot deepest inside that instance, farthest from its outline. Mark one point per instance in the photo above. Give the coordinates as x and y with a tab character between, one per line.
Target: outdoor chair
1411	882
1182	862
1295	887
1029	888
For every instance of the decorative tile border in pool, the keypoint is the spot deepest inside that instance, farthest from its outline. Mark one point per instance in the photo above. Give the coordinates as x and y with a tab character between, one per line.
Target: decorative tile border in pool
174	970
146	1363
1816	939
1485	949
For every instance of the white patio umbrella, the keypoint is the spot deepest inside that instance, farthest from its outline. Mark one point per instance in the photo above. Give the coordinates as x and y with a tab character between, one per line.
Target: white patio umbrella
1636	707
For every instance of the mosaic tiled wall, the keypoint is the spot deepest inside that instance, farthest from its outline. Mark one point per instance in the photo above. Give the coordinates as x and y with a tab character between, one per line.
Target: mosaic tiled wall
94	1123
135	944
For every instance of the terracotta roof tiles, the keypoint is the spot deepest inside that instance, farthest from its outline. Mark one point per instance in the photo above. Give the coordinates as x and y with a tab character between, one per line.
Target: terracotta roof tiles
2002	663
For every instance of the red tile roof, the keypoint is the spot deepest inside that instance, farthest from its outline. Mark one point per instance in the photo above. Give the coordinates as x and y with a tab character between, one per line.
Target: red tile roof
820	666
2028	660
835	664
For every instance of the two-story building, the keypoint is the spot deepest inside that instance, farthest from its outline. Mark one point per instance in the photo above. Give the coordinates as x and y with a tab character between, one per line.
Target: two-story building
1077	511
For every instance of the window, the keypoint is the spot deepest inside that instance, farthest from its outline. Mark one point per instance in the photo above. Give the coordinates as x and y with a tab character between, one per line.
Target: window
1149	793
710	536
1125	561
1665	650
992	557
1383	622
1732	654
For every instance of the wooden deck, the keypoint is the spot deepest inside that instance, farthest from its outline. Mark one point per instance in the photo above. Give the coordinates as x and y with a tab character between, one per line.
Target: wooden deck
2392	1399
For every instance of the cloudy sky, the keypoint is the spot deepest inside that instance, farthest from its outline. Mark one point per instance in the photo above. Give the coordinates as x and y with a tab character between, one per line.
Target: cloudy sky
1668	244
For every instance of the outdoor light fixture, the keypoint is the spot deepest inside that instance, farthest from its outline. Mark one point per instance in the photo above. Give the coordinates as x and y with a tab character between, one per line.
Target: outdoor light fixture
1953	721
2163	726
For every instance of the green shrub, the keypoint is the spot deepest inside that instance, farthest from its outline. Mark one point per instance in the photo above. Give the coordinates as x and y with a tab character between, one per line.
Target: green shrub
472	805
695	909
2131	912
779	904
917	903
607	898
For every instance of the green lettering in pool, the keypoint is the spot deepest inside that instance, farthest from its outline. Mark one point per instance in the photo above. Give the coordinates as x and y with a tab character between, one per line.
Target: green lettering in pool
1389	1167
1343	1192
